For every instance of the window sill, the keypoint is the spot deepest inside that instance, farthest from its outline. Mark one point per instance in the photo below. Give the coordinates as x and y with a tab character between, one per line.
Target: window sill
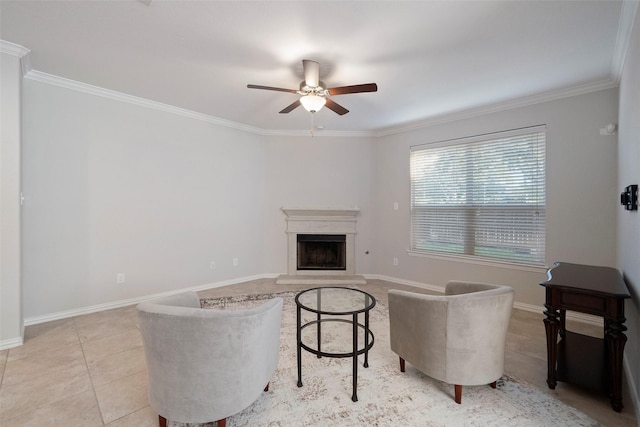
481	261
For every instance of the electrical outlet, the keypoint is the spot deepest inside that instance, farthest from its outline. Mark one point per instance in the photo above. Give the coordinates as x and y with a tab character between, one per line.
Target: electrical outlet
395	261
395	206
212	265
120	278
235	262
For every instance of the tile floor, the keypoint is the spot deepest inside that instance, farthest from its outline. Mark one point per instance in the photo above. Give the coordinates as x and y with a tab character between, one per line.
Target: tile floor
90	370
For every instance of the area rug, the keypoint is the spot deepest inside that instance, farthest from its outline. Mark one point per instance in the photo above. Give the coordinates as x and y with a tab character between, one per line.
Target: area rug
386	396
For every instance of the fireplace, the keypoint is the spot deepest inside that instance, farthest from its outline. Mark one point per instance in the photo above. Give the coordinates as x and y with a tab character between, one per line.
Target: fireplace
326	238
321	251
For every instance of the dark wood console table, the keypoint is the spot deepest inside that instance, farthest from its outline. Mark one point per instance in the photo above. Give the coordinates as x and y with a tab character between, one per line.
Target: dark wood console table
578	359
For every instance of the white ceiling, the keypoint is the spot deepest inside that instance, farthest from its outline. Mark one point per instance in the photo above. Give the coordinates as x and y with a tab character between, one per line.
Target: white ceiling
429	58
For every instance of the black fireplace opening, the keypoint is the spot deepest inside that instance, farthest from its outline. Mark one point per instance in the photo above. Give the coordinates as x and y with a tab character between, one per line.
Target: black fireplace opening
322	251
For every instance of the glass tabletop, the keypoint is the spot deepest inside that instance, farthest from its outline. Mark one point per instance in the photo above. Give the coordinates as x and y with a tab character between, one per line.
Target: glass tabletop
335	300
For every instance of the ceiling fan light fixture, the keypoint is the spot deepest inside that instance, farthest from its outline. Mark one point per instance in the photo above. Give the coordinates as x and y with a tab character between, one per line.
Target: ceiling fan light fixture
314	94
313	103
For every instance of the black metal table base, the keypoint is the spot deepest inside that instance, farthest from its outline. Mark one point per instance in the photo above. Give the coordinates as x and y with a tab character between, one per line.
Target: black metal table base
368	343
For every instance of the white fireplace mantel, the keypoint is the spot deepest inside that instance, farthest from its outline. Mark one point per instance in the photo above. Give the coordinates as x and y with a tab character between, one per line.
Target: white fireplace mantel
320	221
321	212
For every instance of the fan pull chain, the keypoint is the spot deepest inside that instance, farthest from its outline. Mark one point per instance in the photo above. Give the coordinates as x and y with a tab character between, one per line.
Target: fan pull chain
312	124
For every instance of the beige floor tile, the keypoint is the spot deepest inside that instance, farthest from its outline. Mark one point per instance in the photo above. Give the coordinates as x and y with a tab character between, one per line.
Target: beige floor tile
41	390
145	417
117	366
134	319
528	324
80	410
3	362
122	397
596	405
102	326
45	337
526	368
52	373
105	315
532	347
111	344
40	329
43	364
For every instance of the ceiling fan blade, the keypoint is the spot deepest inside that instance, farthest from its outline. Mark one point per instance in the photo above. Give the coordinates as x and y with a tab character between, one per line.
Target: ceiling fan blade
279	89
335	107
367	87
291	107
311	72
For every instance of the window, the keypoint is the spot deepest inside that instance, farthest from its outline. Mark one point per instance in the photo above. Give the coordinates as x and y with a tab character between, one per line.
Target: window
482	197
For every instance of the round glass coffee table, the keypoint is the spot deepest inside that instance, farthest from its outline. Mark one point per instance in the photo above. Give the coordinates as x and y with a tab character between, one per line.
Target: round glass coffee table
340	307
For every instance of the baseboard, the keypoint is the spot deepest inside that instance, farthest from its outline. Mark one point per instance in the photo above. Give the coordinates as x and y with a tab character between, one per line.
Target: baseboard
10	343
579	317
132	301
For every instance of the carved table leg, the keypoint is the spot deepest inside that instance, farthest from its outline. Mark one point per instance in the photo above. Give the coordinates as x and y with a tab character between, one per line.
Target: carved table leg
551	326
615	339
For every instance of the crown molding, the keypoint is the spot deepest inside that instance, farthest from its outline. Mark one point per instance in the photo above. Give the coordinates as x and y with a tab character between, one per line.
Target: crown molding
13	49
19	52
582	89
625	28
41	77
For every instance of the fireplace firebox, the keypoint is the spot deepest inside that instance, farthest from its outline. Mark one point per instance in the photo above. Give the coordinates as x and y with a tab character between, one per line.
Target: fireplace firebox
321	247
321	251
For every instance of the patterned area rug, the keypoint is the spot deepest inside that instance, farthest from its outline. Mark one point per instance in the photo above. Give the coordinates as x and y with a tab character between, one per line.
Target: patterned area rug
386	396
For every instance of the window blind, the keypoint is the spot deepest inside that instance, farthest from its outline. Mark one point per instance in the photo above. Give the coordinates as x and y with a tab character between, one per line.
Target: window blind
482	196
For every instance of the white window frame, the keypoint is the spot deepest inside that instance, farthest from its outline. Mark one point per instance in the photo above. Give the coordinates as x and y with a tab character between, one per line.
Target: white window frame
439	235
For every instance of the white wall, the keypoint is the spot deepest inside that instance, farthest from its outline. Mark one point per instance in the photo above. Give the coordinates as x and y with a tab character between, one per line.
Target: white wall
11	319
329	172
582	196
629	222
113	187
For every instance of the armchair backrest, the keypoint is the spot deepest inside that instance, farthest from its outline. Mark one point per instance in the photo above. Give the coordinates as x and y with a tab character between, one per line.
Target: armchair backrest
204	364
458	338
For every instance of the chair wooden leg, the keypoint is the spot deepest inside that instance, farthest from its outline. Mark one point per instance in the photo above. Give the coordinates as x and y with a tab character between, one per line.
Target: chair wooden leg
458	389
401	364
222	422
494	384
266	388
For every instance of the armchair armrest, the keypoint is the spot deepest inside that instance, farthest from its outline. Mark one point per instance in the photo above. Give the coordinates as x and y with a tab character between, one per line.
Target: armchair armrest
414	315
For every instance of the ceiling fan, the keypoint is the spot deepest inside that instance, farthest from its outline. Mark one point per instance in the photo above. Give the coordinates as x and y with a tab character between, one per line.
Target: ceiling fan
314	93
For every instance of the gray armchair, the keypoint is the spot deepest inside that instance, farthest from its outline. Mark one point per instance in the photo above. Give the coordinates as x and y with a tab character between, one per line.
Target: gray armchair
206	365
458	338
